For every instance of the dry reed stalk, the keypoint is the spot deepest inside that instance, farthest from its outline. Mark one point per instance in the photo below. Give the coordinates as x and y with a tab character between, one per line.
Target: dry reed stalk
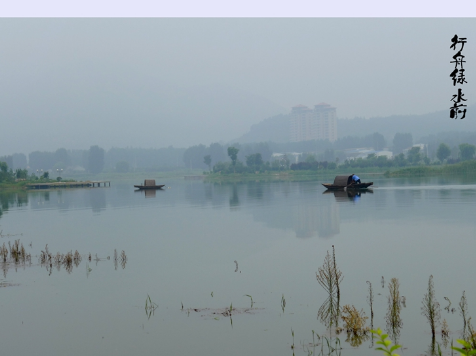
394	322
431	308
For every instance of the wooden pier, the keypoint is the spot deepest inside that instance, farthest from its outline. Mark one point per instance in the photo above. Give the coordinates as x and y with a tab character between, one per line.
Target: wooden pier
54	185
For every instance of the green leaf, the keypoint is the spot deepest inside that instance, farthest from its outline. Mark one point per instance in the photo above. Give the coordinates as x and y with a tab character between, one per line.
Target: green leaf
464	343
387	342
394	347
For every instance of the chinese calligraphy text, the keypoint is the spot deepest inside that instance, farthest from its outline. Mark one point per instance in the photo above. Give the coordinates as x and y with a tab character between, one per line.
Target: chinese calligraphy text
457	75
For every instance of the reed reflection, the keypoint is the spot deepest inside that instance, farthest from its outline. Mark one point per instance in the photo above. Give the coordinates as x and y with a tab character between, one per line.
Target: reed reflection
329	277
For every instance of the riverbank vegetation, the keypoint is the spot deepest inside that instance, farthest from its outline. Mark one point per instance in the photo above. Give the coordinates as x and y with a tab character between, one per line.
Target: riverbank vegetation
18	179
414	163
460	168
218	160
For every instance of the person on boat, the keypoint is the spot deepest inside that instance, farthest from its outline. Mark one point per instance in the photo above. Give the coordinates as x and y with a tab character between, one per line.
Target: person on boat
355	179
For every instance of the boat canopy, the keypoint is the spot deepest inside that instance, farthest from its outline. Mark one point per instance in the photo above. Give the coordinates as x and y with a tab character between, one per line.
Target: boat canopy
343	180
149	182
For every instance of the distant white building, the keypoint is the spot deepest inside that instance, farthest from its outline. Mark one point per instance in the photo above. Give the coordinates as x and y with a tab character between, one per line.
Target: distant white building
354	153
308	124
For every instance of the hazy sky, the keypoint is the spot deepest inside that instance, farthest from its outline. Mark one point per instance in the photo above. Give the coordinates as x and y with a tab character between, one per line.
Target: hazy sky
157	82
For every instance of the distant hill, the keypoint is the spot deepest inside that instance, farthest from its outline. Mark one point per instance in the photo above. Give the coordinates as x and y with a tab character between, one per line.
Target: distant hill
417	125
276	128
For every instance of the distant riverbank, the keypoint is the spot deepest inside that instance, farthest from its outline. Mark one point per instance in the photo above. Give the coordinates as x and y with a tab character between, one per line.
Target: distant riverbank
291	175
13	186
466	167
462	168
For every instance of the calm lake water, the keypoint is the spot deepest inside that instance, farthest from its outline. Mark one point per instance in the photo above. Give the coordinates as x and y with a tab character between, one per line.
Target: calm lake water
181	246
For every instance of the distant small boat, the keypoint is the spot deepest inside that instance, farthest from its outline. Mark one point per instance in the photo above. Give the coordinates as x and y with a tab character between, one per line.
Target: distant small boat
341	182
149	184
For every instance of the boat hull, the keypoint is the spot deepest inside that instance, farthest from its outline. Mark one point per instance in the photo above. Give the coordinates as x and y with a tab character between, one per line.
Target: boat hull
143	187
353	186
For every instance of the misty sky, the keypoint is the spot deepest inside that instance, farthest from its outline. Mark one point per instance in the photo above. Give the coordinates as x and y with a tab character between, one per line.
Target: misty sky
157	82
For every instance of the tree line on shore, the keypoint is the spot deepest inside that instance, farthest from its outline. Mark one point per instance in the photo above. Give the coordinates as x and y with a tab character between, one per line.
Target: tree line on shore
413	157
308	155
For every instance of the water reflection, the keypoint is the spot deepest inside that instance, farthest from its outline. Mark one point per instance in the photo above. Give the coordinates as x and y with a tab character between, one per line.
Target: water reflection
148	193
234	200
97	199
348	195
295	206
12	199
301	207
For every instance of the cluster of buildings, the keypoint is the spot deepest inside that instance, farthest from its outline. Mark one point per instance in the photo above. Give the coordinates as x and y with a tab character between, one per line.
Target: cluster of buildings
308	124
320	123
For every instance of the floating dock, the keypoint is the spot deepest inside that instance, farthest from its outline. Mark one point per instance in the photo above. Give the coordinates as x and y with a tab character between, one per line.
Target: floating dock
54	185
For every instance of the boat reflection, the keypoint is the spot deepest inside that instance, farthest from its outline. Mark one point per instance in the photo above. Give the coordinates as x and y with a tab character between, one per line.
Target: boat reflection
148	193
348	194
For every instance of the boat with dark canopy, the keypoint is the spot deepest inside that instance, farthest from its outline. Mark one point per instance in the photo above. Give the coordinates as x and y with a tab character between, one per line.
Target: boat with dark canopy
149	184
341	182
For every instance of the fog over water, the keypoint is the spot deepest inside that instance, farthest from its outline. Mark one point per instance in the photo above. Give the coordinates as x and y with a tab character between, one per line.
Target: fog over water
74	83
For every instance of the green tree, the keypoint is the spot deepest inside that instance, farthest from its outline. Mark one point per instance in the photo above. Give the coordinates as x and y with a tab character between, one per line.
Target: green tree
208	161
399	160
467	151
122	167
414	155
4	176
21	173
402	141
443	152
255	160
233	154
95	159
265	151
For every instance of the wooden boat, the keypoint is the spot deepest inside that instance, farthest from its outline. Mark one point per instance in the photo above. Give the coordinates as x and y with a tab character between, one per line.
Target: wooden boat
149	184
341	182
